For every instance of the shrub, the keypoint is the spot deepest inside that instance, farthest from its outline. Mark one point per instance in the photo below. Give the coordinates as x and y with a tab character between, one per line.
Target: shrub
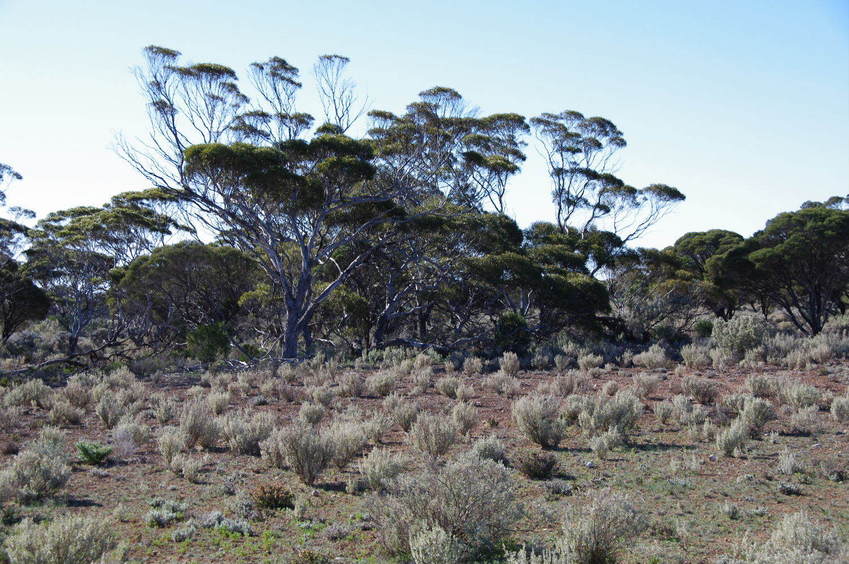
218	401
109	410
756	413
604	443
789	463
188	467
473	500
403	412
804	421
92	453
447	386
311	413
272	495
695	356
376	426
733	439
620	412
164	512
502	384
40	470
347	439
594	532
198	425
538	419
432	545
589	361
799	395
564	385
164	409
464	392
490	448
301	448
509	364
664	410
170	442
379	467
761	386
63	413
31	393
464	416
797	538
215	520
740	334
703	391
70	539
654	357
536	465
243	432
381	383
423	378
472	366
433	434
78	391
610	388
645	384
840	408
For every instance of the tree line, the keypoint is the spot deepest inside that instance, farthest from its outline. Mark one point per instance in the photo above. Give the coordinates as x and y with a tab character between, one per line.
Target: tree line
264	232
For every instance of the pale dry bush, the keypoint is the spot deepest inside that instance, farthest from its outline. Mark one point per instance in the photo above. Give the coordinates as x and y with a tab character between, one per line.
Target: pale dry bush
664	410
645	384
502	384
381	383
798	395
620	412
170	442
731	441
188	467
70	539
464	392
594	531
299	447
762	386
78	390
740	334
474	500
804	421
39	471
654	357
165	409
490	448
127	437
796	539
376	426
379	467
198	425
509	364
433	434
464	416
422	379
472	366
402	411
702	390
587	362
789	463
537	417
64	413
696	356
109	409
571	382
218	401
610	388
311	413
245	430
447	386
323	395
605	442
840	408
756	413
351	385
347	440
433	545
10	417
32	393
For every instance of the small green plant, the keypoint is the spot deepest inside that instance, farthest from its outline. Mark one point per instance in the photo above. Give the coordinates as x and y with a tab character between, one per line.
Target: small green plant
92	453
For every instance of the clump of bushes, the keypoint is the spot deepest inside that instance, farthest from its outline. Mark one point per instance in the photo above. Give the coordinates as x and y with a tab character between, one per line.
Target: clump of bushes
538	418
70	539
299	447
244	431
39	471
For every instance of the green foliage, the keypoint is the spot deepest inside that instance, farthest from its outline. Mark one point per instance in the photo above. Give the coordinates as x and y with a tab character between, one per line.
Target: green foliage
208	343
92	453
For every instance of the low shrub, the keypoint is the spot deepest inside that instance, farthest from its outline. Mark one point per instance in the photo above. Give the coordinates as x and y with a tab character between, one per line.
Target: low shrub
433	435
306	452
92	453
198	425
244	431
70	539
538	419
654	357
490	448
464	416
700	389
272	495
840	408
536	465
447	386
379	467
732	440
509	364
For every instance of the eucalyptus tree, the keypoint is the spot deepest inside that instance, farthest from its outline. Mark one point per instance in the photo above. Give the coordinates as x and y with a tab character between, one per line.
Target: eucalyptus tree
580	154
72	252
20	300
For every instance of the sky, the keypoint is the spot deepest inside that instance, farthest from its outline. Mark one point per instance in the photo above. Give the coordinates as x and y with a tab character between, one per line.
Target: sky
741	105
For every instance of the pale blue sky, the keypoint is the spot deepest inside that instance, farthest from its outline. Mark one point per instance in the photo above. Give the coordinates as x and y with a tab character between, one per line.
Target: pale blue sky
743	105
